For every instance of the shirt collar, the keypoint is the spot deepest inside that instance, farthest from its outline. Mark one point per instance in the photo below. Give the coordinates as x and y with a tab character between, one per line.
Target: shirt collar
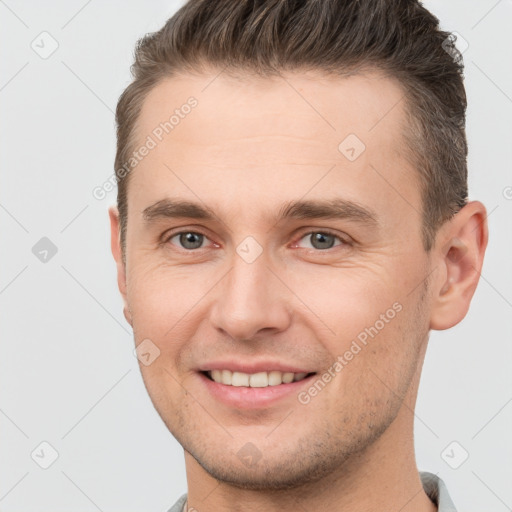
436	490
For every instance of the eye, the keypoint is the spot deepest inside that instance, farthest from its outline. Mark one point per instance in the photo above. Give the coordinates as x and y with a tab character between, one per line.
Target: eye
319	240
188	240
322	240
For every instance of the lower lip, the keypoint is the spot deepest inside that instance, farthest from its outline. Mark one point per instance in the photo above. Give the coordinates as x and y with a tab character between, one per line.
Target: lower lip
243	397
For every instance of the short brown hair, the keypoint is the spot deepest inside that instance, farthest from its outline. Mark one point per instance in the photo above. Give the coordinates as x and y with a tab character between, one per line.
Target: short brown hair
399	37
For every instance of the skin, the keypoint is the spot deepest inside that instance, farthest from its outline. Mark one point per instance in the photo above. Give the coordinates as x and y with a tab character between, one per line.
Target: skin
250	145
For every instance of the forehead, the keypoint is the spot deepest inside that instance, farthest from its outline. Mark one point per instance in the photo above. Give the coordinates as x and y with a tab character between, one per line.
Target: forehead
318	108
251	131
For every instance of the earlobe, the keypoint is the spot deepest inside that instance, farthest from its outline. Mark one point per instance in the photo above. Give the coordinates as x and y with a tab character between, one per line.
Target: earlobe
460	252
128	315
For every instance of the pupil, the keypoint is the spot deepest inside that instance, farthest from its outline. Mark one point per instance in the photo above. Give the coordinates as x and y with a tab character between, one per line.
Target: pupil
319	240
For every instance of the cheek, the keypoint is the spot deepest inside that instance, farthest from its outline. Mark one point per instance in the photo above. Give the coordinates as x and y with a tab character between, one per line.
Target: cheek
161	297
362	320
346	300
168	305
160	305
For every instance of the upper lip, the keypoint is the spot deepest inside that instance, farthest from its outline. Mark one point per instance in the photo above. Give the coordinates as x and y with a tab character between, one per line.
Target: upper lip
253	366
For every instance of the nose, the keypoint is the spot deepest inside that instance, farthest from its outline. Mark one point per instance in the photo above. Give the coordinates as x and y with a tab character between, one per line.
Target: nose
249	299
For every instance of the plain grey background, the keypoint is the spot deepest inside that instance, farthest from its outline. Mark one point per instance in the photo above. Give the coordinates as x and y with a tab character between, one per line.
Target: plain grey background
68	376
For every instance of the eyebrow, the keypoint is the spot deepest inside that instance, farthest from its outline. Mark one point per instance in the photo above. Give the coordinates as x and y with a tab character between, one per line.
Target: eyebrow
337	208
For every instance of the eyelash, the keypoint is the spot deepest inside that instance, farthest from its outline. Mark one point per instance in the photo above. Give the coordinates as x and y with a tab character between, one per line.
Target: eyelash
304	234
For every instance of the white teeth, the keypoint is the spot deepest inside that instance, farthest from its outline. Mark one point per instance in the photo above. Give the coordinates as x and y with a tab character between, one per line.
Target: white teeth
275	378
287	378
255	380
226	376
258	380
239	379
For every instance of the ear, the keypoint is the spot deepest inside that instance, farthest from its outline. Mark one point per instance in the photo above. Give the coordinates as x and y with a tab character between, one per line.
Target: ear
115	244
459	253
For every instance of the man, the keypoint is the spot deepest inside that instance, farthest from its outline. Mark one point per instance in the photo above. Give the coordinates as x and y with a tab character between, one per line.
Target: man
292	222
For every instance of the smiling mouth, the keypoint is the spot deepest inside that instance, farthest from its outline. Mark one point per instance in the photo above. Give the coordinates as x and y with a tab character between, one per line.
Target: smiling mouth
254	380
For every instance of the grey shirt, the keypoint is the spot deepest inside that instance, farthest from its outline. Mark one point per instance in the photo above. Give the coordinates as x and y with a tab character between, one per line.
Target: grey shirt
433	485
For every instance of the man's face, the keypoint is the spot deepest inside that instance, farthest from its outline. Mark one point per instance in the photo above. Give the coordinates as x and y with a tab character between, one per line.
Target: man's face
298	291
